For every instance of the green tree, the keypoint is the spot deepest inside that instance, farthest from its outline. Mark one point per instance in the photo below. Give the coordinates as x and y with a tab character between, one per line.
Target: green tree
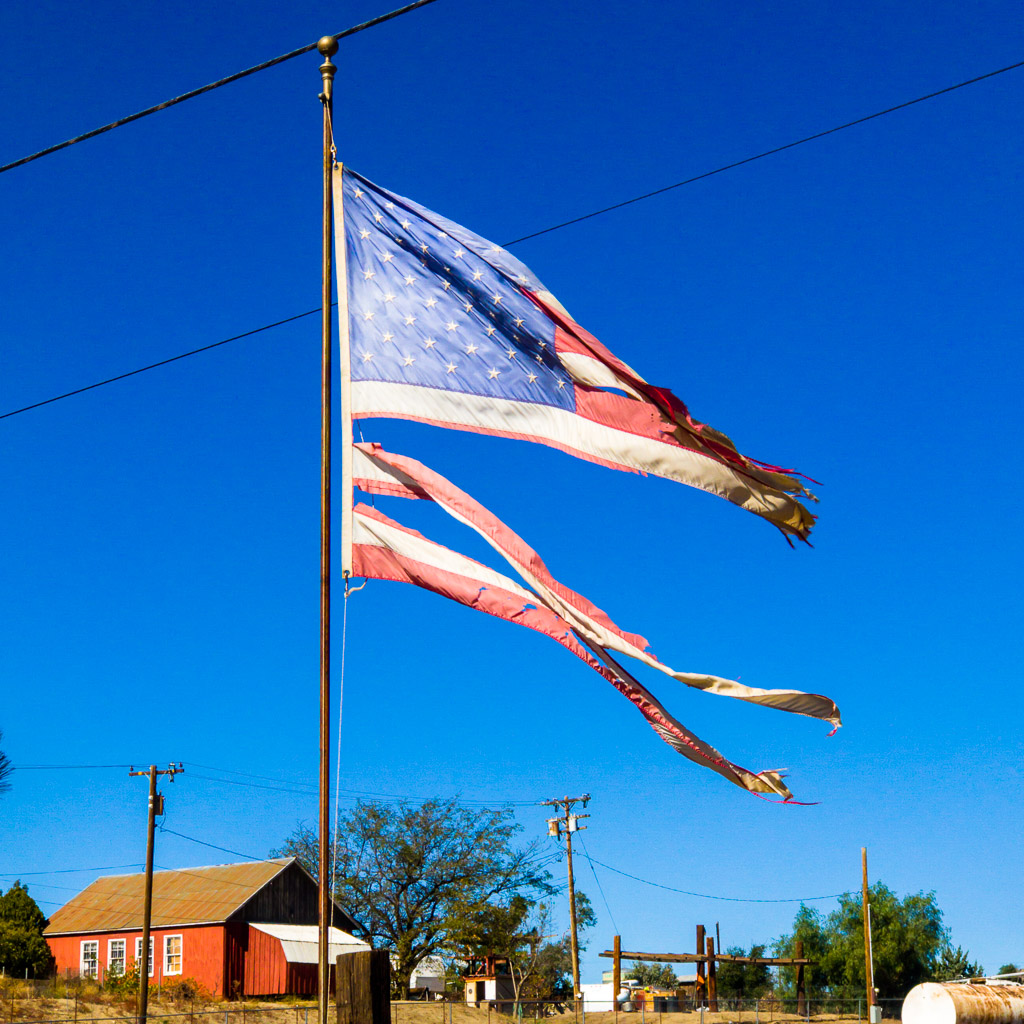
652	975
1009	969
956	963
22	946
743	981
6	770
907	939
415	877
521	930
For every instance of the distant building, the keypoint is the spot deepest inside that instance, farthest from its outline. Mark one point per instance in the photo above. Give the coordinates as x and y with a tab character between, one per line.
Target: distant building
428	976
599	998
488	980
240	930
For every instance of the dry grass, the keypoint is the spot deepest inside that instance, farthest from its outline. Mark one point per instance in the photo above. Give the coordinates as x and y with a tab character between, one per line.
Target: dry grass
18	1006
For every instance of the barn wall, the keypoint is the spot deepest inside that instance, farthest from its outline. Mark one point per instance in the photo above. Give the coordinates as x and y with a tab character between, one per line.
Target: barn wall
236	940
266	970
202	953
290	897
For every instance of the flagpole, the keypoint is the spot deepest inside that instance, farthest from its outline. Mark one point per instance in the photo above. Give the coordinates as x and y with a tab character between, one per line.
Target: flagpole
328	46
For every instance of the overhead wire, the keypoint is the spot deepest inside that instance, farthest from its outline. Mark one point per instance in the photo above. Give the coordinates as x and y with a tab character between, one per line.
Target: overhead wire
212	846
769	152
600	888
153	366
707	896
67	871
514	241
209	88
62	767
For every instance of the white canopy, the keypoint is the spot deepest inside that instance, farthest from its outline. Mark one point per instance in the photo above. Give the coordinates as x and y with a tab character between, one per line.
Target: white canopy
300	942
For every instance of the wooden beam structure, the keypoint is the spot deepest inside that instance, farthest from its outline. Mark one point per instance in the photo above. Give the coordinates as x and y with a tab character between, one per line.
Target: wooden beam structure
701	958
712	977
700	990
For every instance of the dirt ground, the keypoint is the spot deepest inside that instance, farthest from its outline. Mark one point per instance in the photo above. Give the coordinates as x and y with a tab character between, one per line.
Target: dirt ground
43	1010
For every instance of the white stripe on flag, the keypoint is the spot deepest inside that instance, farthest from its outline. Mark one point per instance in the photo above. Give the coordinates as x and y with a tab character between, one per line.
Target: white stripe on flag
569	432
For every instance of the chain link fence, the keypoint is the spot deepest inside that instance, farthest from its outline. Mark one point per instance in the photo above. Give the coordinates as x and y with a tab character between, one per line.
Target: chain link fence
79	1001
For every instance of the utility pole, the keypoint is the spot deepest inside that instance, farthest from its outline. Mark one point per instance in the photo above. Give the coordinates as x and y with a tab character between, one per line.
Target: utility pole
156	806
869	967
569	823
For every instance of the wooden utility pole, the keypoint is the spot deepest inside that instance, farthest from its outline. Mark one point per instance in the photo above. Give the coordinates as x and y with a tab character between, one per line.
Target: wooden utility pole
869	969
569	824
328	47
616	974
156	806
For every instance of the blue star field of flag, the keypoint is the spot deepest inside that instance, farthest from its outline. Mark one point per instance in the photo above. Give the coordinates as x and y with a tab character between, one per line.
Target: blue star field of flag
433	305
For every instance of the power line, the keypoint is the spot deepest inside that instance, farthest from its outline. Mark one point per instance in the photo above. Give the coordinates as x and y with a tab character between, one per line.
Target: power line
705	896
143	369
67	871
254	785
209	88
312	789
515	241
212	846
600	888
769	152
248	775
62	767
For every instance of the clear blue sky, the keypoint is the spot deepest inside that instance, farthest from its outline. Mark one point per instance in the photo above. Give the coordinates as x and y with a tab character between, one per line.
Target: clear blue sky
850	307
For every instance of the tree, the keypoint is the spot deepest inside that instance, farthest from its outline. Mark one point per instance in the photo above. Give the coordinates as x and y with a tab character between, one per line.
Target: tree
415	877
743	981
956	963
22	946
1010	969
553	979
6	770
652	975
907	939
541	964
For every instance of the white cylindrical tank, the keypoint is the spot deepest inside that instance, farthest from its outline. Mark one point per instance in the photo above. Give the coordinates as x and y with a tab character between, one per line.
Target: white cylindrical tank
957	1002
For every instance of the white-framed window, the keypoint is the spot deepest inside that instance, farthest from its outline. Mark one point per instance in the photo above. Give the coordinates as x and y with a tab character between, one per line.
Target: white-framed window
115	957
138	953
90	960
172	954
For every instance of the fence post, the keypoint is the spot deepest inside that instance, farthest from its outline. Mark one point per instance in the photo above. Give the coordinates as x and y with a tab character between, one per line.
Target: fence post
757	1010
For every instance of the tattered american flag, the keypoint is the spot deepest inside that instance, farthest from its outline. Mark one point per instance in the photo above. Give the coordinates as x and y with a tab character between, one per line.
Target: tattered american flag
448	328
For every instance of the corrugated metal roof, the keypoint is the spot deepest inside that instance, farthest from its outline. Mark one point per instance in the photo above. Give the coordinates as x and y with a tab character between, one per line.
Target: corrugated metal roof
186	896
300	942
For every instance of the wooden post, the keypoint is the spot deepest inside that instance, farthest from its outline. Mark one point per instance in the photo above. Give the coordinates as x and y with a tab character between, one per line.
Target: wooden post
616	974
712	977
362	987
801	994
868	966
699	989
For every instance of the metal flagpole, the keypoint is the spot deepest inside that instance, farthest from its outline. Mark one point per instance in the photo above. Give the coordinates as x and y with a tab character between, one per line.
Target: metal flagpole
328	46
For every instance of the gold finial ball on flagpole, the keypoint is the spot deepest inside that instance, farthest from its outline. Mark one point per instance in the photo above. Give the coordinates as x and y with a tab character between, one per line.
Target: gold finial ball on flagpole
328	46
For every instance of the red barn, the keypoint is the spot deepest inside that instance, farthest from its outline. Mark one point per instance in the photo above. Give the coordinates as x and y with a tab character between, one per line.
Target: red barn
237	929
